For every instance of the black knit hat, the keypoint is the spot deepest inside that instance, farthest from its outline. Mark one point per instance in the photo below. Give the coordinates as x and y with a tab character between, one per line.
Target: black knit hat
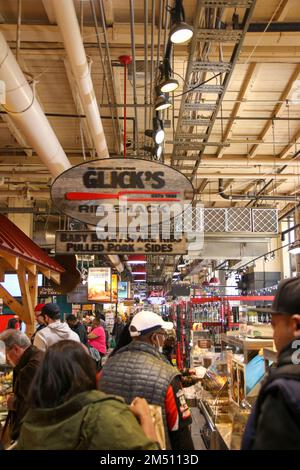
287	297
51	310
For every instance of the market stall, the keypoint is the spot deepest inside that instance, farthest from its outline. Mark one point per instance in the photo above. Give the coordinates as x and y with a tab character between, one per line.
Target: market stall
20	255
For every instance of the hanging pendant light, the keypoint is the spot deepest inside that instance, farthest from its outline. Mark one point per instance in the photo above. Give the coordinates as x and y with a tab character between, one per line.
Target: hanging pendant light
180	31
162	102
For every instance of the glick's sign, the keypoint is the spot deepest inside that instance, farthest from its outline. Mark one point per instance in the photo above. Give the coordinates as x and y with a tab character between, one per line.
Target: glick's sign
87	192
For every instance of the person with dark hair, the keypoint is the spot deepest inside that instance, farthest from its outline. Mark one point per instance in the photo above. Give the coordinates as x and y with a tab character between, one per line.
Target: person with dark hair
117	329
13	324
97	338
78	327
55	330
68	413
25	359
124	339
39	319
274	423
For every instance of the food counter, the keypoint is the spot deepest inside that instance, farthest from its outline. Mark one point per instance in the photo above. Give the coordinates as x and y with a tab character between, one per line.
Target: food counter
247	345
6	376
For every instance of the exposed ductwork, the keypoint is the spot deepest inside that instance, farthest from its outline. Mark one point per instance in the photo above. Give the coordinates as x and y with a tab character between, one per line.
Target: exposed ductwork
69	28
67	21
251	196
26	113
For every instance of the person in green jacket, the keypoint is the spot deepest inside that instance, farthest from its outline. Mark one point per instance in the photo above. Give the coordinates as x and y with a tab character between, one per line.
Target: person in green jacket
68	413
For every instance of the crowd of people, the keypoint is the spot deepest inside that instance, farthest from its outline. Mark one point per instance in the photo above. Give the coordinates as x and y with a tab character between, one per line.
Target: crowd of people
65	398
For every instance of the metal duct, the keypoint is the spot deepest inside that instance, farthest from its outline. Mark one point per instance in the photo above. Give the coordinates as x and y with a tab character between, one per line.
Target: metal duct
26	112
67	21
251	196
69	28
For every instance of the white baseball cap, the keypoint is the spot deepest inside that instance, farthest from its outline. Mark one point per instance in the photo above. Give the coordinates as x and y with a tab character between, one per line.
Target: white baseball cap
146	321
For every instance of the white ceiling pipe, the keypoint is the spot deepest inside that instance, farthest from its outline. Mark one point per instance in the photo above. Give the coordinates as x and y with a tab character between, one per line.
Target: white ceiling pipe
69	28
26	113
67	21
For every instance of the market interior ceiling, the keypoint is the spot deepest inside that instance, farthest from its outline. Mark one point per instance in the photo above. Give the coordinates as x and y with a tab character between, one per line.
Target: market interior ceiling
242	137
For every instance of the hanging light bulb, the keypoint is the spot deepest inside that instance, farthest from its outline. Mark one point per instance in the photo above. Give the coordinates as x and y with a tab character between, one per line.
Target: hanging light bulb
155	151
180	31
158	133
167	83
162	102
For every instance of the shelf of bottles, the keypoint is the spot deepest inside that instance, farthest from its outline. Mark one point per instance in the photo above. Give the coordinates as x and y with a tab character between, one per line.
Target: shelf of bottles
218	313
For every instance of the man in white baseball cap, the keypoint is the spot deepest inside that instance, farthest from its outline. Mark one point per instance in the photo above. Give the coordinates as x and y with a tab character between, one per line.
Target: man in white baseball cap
139	369
146	322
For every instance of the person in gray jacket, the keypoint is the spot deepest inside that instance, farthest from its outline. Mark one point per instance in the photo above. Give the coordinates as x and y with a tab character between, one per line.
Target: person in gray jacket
55	330
140	369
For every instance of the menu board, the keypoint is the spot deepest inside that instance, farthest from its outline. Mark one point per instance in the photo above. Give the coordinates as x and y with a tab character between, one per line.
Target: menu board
114	288
99	284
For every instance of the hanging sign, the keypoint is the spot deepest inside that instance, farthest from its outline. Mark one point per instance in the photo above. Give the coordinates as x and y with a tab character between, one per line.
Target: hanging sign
114	288
49	291
94	190
76	242
99	284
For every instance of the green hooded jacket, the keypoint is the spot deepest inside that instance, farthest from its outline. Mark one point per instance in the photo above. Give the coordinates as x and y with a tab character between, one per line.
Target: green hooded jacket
89	421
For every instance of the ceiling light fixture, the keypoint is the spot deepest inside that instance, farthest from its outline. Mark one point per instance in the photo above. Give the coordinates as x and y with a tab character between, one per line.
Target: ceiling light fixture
155	151
180	31
162	102
158	133
136	259
167	83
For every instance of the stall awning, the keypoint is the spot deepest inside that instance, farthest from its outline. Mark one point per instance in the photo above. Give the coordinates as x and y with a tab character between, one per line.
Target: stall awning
14	242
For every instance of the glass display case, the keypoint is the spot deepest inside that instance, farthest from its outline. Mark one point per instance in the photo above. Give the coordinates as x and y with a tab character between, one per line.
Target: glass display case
6	377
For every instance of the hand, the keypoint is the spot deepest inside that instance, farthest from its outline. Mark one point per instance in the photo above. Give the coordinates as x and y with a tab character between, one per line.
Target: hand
141	411
10	402
140	408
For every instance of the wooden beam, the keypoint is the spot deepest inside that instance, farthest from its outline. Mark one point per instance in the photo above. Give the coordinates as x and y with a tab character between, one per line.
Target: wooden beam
283	10
109	12
246	87
33	287
55	277
45	271
12	303
31	268
11	260
2	273
277	110
17	135
287	150
26	298
49	10
202	185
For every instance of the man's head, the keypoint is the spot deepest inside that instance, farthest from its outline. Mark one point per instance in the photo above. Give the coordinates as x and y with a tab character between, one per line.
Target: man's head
16	343
72	320
286	313
50	313
150	328
38	314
